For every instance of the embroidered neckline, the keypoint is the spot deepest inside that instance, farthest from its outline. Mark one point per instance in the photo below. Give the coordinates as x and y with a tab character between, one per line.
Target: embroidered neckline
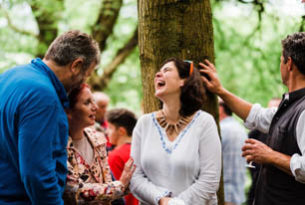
175	128
171	146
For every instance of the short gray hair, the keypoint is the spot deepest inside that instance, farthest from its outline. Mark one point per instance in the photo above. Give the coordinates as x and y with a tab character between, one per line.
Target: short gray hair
72	45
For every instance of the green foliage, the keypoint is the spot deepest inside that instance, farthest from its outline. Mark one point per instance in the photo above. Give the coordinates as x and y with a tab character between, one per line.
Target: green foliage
248	51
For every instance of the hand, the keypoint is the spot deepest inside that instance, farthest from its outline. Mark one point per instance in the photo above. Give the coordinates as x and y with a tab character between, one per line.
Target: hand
129	168
213	83
257	152
164	200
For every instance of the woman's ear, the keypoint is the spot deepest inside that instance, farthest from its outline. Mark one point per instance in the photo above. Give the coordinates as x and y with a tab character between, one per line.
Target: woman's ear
182	82
69	114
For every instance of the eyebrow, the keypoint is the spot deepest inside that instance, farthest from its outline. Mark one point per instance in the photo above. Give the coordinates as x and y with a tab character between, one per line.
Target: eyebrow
166	68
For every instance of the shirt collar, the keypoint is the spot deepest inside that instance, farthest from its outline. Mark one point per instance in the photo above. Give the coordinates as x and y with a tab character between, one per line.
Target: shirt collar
60	90
295	95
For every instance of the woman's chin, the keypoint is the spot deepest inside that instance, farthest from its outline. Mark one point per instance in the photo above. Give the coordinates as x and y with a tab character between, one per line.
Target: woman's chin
159	95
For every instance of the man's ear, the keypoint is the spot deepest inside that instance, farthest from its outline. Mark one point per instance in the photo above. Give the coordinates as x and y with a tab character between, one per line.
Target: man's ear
290	64
76	65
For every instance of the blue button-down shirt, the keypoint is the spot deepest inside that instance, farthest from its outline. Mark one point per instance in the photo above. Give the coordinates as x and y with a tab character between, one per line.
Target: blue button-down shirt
33	135
234	165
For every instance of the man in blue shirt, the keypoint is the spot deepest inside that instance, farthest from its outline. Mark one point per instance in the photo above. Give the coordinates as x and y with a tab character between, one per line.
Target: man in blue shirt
33	123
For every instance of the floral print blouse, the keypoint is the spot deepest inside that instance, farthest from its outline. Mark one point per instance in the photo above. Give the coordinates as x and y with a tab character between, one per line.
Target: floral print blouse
90	184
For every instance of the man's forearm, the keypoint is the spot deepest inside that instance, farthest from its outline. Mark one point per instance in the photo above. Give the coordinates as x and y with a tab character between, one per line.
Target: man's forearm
280	161
239	106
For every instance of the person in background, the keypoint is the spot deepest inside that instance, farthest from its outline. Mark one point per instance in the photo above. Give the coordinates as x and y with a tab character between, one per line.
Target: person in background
233	137
33	123
282	175
89	180
176	150
120	126
102	100
258	135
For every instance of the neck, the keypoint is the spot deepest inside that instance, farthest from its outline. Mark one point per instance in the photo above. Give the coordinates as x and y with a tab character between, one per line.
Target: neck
123	140
298	82
222	117
171	109
59	71
76	132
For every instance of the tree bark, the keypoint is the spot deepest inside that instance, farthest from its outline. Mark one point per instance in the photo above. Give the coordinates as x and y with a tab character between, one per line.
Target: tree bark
101	82
105	22
174	28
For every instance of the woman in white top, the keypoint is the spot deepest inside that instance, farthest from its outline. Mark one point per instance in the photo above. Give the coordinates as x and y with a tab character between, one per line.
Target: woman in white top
177	149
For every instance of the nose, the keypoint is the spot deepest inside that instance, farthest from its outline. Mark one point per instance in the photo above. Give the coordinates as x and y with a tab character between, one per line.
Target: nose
158	74
94	107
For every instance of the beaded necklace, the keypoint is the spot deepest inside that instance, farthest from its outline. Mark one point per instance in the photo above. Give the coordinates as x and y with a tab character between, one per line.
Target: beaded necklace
173	129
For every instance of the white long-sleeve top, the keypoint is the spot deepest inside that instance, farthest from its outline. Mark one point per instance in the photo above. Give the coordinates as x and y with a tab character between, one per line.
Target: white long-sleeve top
188	168
260	118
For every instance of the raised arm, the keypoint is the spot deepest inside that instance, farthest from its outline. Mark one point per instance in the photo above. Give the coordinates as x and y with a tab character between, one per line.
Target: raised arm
239	106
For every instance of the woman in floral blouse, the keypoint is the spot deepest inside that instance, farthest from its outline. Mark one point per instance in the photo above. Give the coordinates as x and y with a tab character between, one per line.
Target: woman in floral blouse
89	179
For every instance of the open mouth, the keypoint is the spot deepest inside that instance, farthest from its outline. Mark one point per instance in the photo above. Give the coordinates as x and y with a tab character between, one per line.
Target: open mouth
160	84
92	117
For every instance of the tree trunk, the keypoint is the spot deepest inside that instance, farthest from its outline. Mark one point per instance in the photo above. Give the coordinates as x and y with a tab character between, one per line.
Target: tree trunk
174	28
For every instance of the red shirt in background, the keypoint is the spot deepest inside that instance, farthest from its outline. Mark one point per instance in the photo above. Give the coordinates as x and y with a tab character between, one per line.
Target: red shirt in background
117	159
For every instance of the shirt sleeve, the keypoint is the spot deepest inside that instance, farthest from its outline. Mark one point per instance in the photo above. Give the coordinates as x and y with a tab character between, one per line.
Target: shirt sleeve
141	187
116	164
203	190
260	118
77	190
297	162
37	129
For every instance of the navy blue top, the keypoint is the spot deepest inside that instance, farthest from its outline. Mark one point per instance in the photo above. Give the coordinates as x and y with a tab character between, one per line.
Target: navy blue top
33	135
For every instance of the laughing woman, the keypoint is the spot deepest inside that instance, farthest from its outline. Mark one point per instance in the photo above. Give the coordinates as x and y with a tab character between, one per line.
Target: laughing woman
89	179
177	150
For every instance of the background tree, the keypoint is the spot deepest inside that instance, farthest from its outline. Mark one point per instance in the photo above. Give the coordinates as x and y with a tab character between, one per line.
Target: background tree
170	28
247	48
48	15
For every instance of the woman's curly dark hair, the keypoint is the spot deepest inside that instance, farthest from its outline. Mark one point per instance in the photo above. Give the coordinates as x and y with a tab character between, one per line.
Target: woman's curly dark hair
192	92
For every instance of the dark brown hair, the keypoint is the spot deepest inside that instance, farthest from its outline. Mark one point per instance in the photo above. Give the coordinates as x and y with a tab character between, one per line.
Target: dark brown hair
73	95
121	117
192	92
294	47
72	45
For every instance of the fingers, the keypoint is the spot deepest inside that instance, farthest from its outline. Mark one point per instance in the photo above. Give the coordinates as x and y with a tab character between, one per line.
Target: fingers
208	65
128	164
251	141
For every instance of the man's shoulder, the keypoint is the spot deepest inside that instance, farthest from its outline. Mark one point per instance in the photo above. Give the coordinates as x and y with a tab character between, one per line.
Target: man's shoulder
26	86
26	77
